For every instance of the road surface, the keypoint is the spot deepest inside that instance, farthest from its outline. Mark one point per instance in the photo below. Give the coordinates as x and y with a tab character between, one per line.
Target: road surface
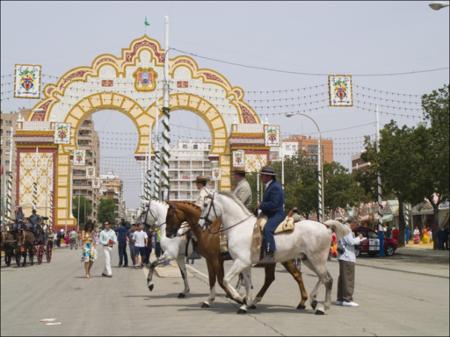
397	296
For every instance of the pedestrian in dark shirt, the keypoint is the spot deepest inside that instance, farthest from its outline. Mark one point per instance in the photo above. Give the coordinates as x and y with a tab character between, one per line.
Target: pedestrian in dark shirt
122	232
131	243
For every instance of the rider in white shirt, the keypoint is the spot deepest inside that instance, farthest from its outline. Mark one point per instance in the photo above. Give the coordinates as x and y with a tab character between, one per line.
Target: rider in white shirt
201	183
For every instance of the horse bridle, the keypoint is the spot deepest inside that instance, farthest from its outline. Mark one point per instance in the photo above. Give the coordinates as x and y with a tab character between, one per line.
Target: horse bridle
211	206
149	210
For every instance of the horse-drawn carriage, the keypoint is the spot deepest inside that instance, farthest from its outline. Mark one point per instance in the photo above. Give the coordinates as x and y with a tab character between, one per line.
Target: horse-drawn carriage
18	242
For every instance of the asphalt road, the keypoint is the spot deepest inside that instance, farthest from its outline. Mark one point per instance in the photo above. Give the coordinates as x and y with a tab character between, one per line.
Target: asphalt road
397	296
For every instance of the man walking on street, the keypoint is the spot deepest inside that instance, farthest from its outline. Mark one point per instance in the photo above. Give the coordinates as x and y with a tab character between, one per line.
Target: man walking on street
107	239
122	232
73	239
131	243
140	242
347	260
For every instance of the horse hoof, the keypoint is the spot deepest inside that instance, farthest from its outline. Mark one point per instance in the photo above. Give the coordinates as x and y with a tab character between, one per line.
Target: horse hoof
205	305
253	307
319	312
241	311
150	287
301	307
181	295
314	304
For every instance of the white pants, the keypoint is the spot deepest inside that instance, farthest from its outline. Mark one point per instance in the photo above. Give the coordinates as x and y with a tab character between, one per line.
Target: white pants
107	251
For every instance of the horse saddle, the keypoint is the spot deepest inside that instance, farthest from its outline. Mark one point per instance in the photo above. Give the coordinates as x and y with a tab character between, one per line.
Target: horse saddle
286	226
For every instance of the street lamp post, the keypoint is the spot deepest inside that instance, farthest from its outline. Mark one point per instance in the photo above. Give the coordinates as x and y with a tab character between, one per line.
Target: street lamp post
321	206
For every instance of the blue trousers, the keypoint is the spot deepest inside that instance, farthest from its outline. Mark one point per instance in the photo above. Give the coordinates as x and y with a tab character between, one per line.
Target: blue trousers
123	257
269	229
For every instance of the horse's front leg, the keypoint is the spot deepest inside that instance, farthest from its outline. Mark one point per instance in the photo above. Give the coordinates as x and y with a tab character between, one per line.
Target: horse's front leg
182	265
269	277
151	269
246	274
31	252
237	267
212	285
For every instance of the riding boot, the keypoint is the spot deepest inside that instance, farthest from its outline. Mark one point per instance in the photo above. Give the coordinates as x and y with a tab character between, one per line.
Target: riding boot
195	254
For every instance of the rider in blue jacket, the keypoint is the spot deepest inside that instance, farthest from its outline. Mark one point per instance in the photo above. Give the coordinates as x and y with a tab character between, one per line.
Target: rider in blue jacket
273	207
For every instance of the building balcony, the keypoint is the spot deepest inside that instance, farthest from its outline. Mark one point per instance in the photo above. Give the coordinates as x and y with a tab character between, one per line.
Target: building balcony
81	187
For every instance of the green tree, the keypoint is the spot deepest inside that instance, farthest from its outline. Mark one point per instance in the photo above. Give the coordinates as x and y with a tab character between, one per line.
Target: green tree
398	157
300	184
367	178
85	209
434	170
106	211
340	188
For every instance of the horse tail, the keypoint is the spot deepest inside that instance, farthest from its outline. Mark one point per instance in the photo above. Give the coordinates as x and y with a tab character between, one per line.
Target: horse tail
337	227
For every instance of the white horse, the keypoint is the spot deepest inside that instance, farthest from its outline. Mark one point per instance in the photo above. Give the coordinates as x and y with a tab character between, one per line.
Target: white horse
310	240
174	248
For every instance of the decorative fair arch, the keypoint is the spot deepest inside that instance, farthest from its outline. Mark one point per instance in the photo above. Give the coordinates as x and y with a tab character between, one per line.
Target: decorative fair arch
111	83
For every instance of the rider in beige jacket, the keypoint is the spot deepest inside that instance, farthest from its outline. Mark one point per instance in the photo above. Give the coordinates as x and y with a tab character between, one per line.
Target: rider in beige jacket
204	192
242	190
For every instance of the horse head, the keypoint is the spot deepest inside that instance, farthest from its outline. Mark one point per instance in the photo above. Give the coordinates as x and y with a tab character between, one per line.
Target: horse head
211	210
180	216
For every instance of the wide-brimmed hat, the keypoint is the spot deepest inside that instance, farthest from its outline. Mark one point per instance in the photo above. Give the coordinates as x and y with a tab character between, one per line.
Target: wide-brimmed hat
201	180
267	171
239	171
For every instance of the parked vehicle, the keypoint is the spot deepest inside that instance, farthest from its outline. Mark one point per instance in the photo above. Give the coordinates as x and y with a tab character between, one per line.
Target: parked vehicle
372	245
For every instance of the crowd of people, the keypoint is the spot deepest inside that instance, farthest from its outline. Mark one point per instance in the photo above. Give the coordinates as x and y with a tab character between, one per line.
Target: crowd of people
140	242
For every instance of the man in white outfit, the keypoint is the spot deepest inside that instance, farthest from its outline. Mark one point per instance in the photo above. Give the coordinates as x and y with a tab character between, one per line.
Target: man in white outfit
347	260
107	239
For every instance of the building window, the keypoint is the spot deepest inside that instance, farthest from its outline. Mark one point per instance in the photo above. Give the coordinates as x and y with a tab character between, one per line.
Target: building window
195	147
312	149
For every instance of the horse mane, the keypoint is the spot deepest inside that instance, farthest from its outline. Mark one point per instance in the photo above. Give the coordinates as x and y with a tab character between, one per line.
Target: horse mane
159	202
232	196
187	204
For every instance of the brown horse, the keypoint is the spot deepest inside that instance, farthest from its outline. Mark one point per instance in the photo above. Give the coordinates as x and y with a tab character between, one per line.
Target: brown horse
25	241
8	245
209	247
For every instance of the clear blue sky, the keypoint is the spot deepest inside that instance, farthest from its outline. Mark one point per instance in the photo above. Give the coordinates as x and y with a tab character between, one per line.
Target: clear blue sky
320	37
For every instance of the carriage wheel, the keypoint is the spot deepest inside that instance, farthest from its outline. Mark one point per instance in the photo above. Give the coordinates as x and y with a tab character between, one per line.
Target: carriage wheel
40	253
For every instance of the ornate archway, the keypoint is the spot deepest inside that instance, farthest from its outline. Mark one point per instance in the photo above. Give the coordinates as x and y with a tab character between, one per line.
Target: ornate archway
117	83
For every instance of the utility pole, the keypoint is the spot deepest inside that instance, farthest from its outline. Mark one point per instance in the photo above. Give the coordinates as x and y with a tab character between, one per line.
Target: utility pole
35	183
166	118
10	177
379	189
320	191
157	166
282	164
